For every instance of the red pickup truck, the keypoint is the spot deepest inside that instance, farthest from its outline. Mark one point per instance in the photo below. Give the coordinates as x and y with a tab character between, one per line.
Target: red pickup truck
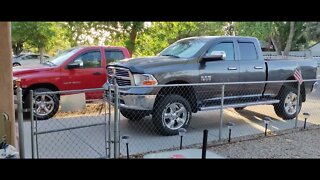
74	69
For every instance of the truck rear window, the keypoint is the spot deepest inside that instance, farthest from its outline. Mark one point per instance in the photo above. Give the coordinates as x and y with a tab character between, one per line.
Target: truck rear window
248	51
112	55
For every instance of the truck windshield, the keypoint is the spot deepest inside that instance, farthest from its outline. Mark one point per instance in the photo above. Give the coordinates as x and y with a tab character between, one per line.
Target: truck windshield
60	58
184	49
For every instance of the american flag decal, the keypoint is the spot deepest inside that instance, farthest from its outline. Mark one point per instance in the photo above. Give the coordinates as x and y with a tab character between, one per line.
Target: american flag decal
298	76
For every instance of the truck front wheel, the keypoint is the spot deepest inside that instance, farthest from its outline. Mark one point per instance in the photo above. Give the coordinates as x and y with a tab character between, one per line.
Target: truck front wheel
171	113
133	115
287	107
44	106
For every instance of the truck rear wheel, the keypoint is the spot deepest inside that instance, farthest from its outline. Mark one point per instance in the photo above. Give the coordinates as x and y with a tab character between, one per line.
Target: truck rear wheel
133	115
45	106
171	113
287	107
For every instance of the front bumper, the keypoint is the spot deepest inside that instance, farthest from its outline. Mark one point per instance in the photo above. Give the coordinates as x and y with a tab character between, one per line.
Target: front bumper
138	102
142	101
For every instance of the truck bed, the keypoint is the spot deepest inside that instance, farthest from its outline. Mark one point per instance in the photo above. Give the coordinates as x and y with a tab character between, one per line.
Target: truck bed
283	69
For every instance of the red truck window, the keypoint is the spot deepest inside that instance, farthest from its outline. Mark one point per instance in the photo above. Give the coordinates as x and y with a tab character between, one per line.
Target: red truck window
113	55
89	60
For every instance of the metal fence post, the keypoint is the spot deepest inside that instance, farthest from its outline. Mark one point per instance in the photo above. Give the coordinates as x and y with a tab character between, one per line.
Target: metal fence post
221	110
298	106
20	123
109	124
32	122
105	126
116	123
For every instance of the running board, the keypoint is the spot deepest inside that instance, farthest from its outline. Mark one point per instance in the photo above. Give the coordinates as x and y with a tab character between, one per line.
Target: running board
208	108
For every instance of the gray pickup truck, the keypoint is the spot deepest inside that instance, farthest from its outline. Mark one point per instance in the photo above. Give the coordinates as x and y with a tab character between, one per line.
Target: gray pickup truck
207	59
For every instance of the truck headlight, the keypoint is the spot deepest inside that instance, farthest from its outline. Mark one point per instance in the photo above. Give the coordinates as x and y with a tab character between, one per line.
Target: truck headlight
144	80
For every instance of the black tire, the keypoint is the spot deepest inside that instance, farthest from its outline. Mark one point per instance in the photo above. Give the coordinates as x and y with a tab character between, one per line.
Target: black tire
282	109
239	108
53	106
133	115
161	108
16	64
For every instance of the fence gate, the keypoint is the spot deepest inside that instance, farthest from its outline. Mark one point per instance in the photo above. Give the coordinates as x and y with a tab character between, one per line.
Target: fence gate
79	134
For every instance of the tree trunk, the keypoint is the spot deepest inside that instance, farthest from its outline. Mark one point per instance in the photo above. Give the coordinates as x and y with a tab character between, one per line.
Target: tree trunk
133	37
17	48
289	41
275	45
41	54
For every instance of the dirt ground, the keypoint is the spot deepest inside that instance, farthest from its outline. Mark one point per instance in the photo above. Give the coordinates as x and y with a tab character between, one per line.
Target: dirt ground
296	143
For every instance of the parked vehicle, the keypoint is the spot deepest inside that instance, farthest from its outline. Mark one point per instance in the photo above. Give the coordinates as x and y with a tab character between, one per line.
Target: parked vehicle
74	69
27	59
208	59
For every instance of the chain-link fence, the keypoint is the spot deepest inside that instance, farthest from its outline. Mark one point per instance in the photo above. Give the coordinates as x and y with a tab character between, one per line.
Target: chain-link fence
70	124
152	121
143	119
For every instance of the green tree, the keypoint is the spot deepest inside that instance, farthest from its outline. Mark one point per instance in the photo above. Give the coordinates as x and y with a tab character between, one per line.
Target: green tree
36	34
161	34
40	35
19	36
283	35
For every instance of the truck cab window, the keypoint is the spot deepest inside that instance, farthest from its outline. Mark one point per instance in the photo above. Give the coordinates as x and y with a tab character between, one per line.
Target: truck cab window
90	59
227	47
113	55
248	51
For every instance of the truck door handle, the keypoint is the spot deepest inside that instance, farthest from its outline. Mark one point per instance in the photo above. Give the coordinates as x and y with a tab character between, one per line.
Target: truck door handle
232	68
97	73
258	67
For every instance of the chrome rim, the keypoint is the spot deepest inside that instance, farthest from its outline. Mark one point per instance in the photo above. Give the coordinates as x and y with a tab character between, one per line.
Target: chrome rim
290	103
174	116
43	105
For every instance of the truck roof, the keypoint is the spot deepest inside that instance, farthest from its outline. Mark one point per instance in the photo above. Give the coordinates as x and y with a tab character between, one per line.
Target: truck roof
224	37
86	46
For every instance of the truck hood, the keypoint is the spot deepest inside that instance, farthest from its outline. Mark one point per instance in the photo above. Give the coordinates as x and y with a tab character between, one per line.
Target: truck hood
139	65
21	70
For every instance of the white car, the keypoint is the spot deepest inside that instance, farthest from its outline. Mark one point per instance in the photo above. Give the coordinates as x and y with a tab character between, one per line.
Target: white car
27	59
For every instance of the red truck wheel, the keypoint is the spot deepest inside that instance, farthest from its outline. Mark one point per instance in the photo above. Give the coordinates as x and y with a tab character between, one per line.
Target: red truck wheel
45	106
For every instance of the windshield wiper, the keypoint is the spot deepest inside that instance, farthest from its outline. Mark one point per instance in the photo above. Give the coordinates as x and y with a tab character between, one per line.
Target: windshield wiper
172	55
49	63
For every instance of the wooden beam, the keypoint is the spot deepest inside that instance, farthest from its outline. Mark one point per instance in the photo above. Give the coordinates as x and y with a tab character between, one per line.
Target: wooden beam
6	85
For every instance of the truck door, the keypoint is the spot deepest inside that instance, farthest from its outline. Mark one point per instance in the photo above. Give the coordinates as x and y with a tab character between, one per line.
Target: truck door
251	68
91	73
226	70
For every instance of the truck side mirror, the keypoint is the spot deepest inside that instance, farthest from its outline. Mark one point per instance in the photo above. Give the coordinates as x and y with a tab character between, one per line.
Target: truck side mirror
75	64
214	56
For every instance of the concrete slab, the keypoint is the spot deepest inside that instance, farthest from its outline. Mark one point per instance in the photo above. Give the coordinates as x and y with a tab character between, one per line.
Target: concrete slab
183	154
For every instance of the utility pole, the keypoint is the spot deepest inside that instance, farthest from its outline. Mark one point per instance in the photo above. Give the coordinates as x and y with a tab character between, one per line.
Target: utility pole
7	119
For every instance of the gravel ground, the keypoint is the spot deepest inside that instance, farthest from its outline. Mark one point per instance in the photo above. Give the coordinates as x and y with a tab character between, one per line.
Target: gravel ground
296	143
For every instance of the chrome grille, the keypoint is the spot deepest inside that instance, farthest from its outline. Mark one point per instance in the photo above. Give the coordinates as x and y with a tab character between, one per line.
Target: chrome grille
121	72
109	71
122	82
110	80
123	76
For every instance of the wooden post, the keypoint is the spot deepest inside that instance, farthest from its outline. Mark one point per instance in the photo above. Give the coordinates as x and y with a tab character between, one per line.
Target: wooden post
6	85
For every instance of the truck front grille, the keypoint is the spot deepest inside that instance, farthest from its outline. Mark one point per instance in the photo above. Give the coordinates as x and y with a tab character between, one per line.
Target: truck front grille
122	76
